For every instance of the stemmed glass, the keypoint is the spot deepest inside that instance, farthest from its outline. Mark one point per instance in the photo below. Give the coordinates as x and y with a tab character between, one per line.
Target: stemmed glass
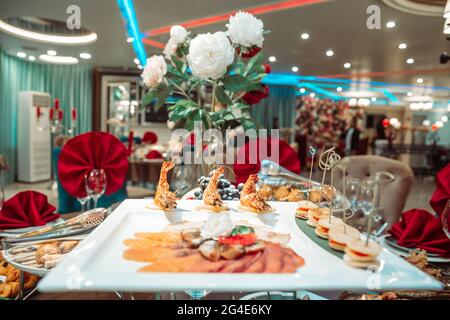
96	184
352	186
83	200
367	195
446	219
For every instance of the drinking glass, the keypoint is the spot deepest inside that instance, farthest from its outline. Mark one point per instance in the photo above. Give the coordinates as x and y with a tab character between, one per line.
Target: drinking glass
96	184
352	186
83	201
367	195
446	219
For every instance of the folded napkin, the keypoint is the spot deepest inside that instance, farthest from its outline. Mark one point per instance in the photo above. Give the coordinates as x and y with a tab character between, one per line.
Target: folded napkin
26	209
420	229
92	150
150	137
153	154
442	192
250	153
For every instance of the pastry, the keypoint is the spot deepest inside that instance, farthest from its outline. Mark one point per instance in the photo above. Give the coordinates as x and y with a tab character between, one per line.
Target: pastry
5	290
324	225
281	194
13	275
314	215
303	207
67	246
295	195
338	240
44	250
266	192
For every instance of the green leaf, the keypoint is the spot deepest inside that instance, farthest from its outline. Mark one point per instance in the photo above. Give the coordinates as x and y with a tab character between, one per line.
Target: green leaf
239	229
238	83
148	98
178	63
254	63
161	95
222	96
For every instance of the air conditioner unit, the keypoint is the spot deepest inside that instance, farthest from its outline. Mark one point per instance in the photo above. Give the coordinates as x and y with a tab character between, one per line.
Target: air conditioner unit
33	137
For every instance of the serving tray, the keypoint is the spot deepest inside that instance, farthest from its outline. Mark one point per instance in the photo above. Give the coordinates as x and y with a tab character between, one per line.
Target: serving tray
96	264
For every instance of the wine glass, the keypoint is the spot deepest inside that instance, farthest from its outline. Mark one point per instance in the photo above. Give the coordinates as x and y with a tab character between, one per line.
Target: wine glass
83	200
446	219
96	184
352	186
367	196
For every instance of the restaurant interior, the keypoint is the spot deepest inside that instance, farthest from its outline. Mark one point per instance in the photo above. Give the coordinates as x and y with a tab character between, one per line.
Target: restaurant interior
275	149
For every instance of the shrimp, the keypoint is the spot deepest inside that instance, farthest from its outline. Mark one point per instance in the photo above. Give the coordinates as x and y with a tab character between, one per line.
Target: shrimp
164	198
211	196
250	197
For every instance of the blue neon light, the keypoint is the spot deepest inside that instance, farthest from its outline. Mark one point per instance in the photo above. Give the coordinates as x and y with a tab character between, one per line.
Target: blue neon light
126	8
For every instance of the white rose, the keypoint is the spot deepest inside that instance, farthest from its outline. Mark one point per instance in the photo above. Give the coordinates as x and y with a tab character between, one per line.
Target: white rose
178	34
210	55
246	30
170	49
154	71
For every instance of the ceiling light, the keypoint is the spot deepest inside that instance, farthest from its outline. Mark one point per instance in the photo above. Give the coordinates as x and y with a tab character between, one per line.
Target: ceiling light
390	24
302	90
51	53
312	94
373	99
47	38
439	124
447	10
347	65
339	89
294	69
272	59
420	80
329	53
352	102
31	58
304	36
136	61
447	26
409	94
85	55
426	123
58	59
410	61
402	46
130	39
21	54
444	118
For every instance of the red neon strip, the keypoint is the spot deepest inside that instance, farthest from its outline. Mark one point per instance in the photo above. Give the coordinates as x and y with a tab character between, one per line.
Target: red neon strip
153	43
385	73
224	17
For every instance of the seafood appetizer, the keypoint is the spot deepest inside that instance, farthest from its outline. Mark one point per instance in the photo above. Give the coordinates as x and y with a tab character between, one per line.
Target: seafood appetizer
211	196
251	199
164	198
218	246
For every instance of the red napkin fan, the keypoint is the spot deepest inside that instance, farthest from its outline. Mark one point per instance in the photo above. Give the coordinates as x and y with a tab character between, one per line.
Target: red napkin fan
442	192
92	150
26	209
287	157
420	229
150	137
154	154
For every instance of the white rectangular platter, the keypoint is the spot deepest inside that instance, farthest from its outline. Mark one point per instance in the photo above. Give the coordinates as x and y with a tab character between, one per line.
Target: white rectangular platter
96	264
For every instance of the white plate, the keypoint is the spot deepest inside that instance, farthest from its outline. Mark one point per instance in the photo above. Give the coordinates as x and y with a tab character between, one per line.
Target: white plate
96	264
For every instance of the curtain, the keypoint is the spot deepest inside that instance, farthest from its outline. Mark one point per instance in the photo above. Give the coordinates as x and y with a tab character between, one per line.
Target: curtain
71	84
279	104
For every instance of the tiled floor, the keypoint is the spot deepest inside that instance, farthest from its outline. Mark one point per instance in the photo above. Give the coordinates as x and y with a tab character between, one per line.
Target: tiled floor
418	198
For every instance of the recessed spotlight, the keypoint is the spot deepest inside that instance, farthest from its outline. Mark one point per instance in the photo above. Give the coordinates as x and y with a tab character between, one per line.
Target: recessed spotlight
409	94
272	58
312	94
140	67
21	54
302	90
136	61
51	52
58	59
410	61
329	53
130	39
439	124
31	58
347	65
419	80
390	24
373	99
294	69
339	89
304	36
402	46
426	123
85	55
444	119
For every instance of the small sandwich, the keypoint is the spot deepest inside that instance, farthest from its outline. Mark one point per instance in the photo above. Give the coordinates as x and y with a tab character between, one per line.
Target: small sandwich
325	224
314	215
340	235
358	255
303	207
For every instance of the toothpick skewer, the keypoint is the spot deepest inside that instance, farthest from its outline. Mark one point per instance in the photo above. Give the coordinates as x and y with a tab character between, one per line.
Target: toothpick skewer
372	211
324	165
312	150
334	158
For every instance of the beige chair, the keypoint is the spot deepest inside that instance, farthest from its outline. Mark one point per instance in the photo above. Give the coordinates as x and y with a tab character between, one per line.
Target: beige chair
393	194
